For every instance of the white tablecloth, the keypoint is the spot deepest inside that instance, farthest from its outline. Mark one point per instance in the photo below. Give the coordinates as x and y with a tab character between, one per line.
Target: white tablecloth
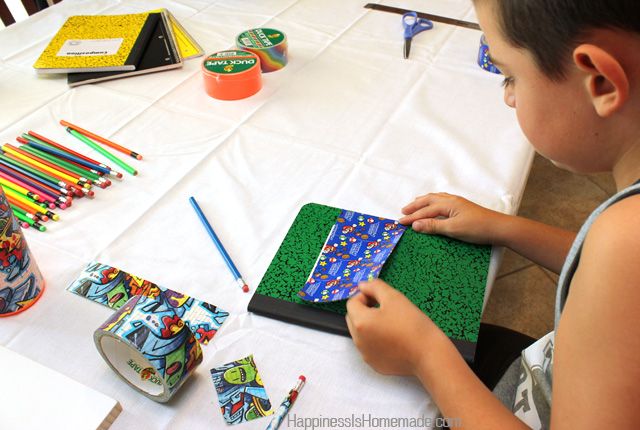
348	123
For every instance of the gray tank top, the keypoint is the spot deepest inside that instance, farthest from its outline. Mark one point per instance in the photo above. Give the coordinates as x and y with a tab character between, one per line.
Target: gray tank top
526	385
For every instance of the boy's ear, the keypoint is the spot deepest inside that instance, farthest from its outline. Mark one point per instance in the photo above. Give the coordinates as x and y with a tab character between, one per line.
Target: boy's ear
606	81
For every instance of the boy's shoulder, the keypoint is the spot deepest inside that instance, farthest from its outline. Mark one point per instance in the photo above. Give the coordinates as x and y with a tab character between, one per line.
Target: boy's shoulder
614	238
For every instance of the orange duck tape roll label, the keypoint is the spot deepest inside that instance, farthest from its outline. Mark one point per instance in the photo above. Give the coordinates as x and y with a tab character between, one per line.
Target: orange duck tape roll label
232	75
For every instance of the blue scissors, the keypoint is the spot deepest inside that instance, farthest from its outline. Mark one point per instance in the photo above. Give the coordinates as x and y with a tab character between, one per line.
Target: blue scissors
412	26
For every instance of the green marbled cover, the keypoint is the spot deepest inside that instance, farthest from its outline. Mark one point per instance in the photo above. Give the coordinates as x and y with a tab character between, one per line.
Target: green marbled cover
444	277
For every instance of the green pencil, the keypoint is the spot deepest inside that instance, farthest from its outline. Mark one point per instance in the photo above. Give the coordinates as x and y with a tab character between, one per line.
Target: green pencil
60	162
102	151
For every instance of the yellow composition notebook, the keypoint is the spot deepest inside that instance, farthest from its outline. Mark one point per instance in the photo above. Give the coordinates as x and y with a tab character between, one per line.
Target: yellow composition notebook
97	43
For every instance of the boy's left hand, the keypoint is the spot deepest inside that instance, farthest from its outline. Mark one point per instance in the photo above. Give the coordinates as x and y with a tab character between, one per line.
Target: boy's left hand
391	337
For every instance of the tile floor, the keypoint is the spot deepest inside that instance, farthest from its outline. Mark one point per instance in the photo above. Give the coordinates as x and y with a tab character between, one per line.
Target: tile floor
523	296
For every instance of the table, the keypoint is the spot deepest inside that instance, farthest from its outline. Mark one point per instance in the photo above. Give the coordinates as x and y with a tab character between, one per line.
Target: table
348	123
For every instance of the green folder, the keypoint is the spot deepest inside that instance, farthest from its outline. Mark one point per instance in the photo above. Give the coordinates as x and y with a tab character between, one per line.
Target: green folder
444	277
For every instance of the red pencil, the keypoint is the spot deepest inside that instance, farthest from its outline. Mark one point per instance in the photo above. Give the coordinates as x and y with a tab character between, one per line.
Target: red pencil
72	152
102	140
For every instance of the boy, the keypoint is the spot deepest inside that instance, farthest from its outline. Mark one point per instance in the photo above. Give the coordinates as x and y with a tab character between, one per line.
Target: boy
572	72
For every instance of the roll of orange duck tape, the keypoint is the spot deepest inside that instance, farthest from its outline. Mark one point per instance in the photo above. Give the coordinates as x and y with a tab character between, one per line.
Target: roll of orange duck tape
232	74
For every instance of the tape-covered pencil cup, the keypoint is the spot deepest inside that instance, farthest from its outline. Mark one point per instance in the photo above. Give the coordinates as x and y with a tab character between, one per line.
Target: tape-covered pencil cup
21	283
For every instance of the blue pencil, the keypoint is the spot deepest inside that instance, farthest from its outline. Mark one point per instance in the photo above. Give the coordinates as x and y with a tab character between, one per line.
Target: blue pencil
67	156
218	244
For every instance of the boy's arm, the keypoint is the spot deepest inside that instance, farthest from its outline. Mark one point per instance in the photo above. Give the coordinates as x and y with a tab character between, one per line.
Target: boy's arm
456	217
597	351
396	338
459	394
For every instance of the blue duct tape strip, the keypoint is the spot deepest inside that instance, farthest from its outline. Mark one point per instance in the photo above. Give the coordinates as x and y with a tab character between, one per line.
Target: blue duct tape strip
484	60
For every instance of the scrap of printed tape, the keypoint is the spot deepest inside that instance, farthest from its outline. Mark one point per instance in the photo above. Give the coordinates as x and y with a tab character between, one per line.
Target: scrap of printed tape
237	74
153	339
484	59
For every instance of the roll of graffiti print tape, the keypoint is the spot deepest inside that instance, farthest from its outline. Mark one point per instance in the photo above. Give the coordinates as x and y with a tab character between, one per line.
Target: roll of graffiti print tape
232	75
149	346
484	59
268	44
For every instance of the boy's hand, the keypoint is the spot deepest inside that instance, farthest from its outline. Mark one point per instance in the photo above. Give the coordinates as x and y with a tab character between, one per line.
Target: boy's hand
390	337
453	216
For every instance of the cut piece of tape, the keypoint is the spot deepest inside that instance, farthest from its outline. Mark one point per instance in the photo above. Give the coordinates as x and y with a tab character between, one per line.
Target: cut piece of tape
484	59
113	287
149	346
269	44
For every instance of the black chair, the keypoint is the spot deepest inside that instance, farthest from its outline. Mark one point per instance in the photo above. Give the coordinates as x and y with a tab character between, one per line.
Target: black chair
31	6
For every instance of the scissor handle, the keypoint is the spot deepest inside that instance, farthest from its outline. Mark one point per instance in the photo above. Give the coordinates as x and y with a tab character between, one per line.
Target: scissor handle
414	25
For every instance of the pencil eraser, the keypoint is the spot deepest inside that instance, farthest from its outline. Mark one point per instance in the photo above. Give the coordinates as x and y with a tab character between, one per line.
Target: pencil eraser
139	157
52	206
245	288
63	206
303	378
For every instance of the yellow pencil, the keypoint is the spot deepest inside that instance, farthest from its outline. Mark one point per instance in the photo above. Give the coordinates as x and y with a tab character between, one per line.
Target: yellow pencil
18	188
17	196
58	174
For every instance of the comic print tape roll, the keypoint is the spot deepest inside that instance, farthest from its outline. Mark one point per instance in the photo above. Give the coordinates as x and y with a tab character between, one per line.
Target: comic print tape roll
21	283
484	59
268	44
232	75
149	346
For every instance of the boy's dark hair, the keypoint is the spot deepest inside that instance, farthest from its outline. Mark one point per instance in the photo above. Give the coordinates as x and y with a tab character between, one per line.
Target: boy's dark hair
550	29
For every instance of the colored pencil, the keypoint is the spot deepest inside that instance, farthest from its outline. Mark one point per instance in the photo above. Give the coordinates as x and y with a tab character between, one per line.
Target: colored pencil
25	185
218	244
286	404
92	177
45	141
42	177
15	197
19	188
102	151
28	212
44	166
102	140
52	162
87	171
43	173
34	182
102	169
29	222
68	156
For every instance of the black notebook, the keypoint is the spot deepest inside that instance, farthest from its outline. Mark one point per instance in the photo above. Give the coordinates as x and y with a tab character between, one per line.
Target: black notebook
444	277
160	54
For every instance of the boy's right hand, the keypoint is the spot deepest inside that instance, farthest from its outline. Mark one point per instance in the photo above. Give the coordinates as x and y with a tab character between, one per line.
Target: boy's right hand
453	216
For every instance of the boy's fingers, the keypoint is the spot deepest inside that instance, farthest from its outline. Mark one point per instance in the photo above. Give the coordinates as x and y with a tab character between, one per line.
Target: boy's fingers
431	211
422	201
430	226
357	303
419	202
375	290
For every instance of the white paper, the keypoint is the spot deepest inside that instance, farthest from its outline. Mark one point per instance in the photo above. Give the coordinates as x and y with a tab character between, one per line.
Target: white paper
89	47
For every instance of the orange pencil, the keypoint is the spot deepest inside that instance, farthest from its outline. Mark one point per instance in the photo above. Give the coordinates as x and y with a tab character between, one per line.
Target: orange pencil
102	140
